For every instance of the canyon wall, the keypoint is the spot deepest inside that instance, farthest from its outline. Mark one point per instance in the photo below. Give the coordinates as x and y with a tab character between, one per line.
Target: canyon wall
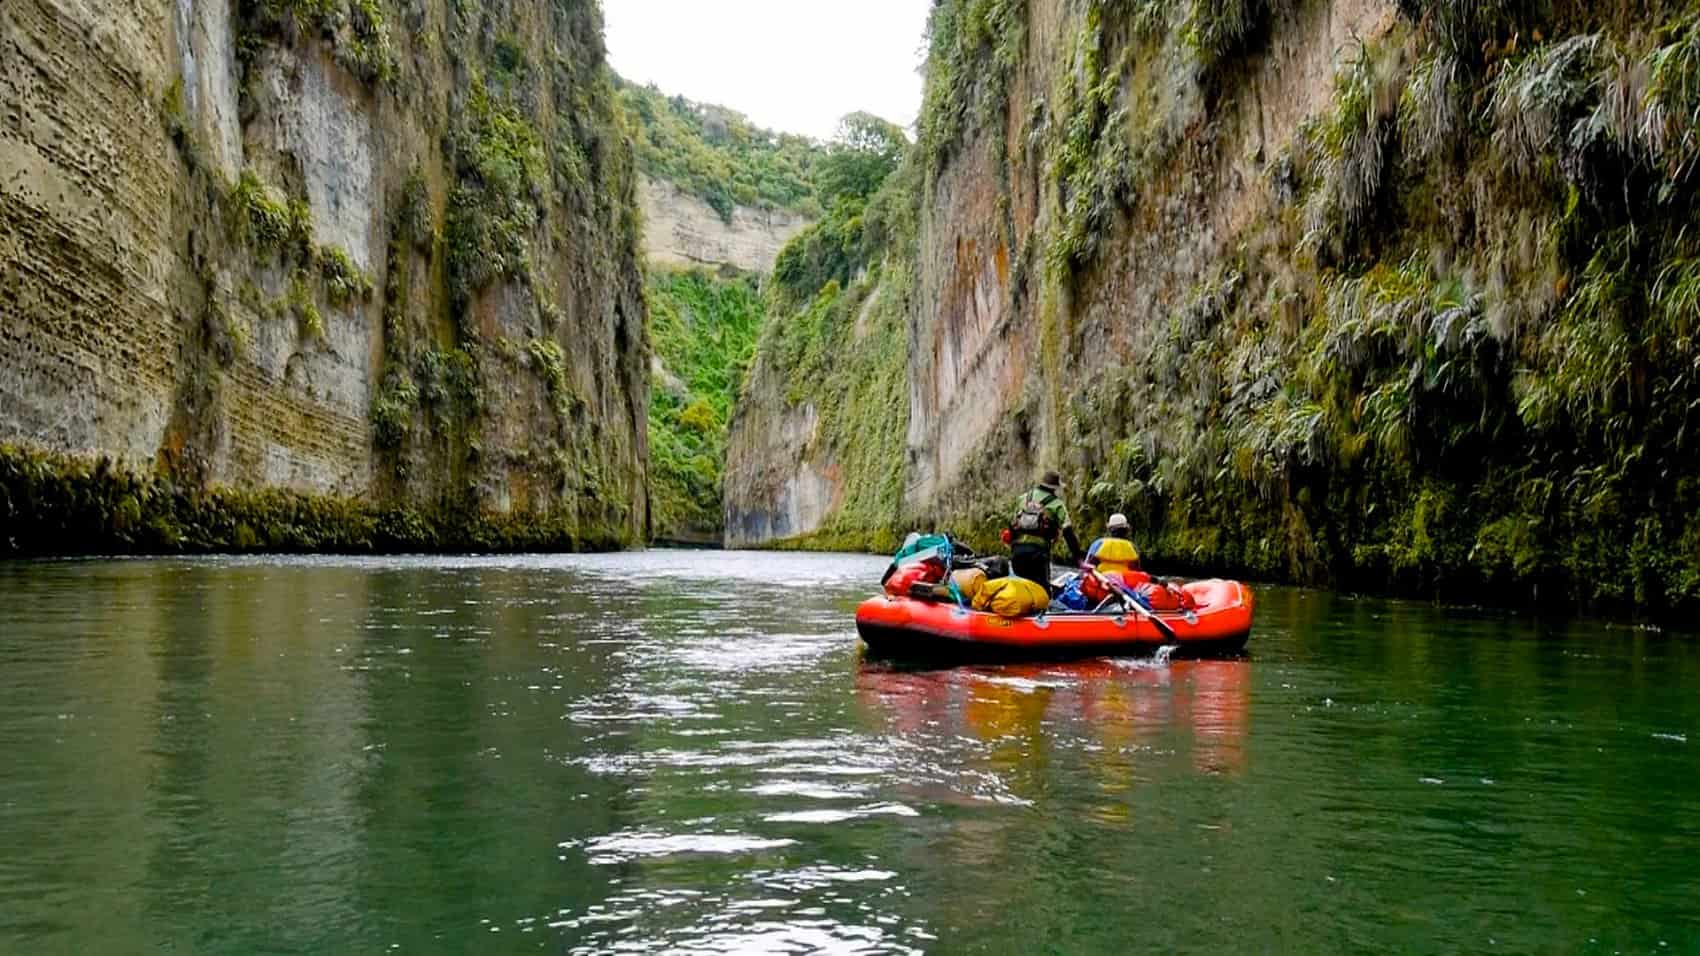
682	231
377	252
1399	296
721	198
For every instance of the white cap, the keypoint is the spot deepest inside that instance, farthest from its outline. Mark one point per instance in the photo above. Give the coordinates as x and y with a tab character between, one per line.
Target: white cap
1118	520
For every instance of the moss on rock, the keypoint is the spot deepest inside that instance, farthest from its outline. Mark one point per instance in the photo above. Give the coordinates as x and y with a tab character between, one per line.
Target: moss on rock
1440	341
56	505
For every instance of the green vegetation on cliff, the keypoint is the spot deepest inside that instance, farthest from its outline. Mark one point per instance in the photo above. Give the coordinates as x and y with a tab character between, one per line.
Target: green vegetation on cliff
841	296
718	155
1478	375
974	50
512	237
356	31
856	229
534	262
847	352
1445	344
284	228
704	330
704	327
56	505
499	196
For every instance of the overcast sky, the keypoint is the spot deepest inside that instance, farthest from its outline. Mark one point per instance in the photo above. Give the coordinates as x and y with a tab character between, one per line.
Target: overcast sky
794	66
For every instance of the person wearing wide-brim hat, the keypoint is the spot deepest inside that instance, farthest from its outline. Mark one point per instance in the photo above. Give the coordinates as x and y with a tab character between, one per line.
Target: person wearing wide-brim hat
1040	518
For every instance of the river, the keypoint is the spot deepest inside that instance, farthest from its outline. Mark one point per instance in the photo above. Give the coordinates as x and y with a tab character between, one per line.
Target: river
683	751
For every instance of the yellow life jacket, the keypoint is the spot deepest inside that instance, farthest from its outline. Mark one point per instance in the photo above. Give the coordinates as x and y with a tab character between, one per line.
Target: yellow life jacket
1012	597
1115	554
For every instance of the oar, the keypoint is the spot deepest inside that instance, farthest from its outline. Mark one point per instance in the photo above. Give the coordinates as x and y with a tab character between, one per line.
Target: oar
1132	600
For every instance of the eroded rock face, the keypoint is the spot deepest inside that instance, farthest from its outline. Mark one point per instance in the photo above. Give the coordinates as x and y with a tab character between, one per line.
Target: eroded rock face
320	121
969	359
242	270
774	489
88	276
681	230
1005	350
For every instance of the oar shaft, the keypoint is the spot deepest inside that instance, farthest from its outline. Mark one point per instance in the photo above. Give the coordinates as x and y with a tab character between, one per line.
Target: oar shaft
1138	608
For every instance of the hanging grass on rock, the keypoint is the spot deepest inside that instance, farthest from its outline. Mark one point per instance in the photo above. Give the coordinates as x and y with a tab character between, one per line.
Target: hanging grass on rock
1447	345
498	200
357	31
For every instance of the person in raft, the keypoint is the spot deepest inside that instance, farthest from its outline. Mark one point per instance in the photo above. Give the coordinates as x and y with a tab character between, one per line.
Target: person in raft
1114	554
1115	550
1040	517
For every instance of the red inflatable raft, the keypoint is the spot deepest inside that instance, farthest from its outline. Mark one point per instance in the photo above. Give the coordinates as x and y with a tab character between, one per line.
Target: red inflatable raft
905	627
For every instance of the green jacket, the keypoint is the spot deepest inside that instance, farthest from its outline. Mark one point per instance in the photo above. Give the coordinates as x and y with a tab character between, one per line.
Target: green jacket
1053	505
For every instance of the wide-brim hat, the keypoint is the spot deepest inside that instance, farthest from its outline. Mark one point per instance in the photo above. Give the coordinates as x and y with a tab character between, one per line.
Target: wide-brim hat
1052	480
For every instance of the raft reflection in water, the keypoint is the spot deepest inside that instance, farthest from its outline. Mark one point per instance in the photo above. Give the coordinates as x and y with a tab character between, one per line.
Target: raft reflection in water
1193	706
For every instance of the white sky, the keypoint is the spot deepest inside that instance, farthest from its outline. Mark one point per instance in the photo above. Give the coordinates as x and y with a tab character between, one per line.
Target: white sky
793	66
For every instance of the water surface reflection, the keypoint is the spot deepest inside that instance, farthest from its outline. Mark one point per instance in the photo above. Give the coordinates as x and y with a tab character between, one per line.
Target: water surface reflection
684	752
1108	707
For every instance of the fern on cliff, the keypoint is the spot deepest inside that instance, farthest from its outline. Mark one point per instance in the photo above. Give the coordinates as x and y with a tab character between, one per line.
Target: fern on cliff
1487	372
357	30
498	201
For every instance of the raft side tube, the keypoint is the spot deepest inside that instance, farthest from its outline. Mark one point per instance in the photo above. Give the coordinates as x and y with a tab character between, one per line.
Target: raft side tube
909	627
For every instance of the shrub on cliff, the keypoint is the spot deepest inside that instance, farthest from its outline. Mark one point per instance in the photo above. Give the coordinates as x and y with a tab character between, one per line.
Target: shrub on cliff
703	329
860	161
503	171
719	155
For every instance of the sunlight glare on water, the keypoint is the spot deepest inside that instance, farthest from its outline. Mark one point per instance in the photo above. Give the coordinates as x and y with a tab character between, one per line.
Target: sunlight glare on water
684	751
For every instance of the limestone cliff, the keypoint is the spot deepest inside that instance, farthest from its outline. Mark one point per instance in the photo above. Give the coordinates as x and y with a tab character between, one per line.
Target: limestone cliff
682	231
721	197
378	251
816	445
1394	295
718	192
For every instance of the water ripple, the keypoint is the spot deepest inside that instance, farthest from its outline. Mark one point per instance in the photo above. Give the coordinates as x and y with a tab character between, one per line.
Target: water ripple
628	845
683	752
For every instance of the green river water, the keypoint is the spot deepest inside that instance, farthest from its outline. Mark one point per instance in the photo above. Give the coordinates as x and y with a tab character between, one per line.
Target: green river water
683	752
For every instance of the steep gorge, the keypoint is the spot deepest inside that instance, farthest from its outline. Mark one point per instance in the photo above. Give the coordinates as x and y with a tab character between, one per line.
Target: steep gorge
720	198
1396	296
317	274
